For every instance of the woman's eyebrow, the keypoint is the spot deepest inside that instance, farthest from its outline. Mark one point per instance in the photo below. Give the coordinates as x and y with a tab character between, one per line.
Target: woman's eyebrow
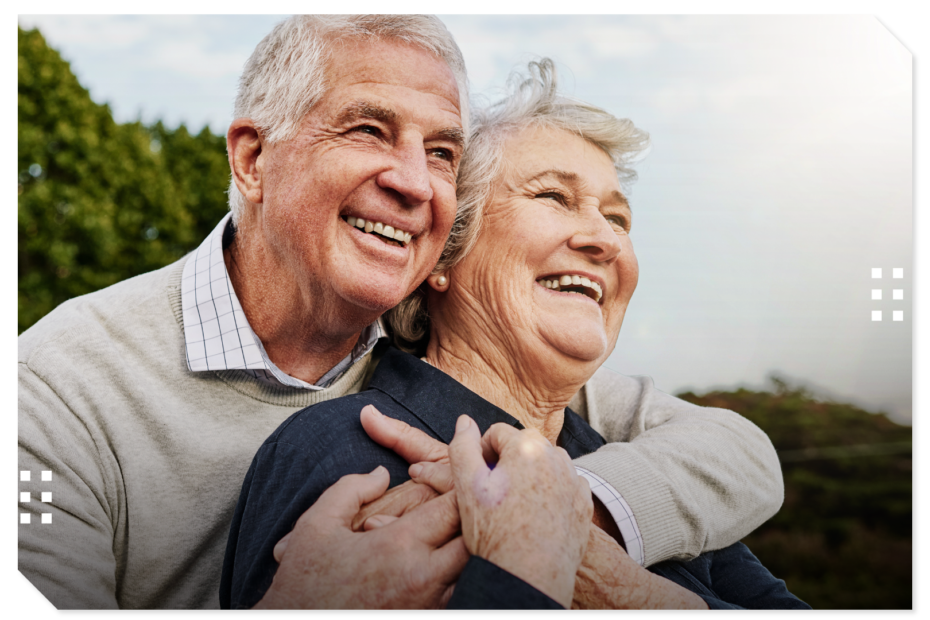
569	178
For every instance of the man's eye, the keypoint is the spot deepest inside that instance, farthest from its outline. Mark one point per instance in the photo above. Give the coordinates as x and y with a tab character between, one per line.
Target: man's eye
616	220
368	129
444	154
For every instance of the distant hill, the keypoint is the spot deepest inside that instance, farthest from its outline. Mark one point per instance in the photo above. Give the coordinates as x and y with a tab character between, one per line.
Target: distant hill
842	540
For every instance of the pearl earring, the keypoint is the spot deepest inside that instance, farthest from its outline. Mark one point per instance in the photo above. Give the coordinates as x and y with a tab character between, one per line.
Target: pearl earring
442	280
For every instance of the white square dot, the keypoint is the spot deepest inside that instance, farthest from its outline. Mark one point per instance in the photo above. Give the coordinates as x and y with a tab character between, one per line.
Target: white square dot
876	315
46	517
24	497
876	273
897	272
897	315
23	518
24	476
46	496
876	293
46	476
897	293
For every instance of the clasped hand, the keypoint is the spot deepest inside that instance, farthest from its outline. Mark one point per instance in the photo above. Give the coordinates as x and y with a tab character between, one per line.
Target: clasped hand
359	547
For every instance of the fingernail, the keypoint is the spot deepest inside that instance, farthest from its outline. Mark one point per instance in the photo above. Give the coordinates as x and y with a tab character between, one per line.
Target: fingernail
415	470
463	423
378	471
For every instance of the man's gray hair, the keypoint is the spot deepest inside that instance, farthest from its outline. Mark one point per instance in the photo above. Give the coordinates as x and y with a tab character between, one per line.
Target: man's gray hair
286	74
532	100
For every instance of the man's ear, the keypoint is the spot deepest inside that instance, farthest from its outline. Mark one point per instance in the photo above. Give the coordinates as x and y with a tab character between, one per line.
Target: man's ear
244	146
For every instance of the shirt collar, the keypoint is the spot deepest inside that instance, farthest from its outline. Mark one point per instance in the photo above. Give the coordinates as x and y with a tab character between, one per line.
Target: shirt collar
438	400
217	335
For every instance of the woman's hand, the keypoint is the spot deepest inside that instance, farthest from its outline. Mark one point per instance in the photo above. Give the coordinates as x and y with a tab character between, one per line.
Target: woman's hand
530	514
609	579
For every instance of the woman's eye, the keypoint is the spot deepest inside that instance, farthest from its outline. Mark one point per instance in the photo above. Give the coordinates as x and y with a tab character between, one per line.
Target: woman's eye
552	196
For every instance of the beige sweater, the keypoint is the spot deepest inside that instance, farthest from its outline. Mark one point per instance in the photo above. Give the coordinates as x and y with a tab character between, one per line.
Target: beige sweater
147	458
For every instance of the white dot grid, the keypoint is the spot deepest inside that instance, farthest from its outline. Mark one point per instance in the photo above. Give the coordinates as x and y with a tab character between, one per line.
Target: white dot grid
896	294
26	496
620	511
216	331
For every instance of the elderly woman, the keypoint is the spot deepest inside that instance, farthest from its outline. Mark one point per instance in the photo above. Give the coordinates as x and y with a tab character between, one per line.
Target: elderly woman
507	329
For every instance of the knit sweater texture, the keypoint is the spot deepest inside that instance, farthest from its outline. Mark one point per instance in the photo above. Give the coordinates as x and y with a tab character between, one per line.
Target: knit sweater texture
148	458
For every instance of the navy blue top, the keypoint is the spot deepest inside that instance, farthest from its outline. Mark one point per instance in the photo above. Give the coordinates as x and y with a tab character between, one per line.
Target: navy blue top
316	446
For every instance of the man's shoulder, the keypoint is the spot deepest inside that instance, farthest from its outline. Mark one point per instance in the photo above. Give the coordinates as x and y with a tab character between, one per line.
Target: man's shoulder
131	307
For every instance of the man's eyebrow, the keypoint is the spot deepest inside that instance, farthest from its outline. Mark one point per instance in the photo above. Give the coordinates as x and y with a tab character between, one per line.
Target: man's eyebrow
454	135
363	109
571	178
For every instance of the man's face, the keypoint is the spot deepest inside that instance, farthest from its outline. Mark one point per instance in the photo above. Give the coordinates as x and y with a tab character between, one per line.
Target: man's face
382	145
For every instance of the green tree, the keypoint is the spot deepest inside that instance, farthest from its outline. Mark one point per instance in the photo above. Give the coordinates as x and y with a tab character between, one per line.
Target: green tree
99	201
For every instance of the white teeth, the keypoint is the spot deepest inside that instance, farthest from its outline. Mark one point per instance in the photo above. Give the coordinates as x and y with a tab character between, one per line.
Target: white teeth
566	280
379	228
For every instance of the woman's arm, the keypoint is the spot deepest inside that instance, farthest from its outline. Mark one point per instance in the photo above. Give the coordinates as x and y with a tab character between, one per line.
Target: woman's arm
695	478
609	579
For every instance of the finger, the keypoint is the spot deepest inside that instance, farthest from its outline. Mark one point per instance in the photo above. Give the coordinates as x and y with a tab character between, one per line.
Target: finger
448	562
500	435
376	521
465	455
397	501
343	500
436	475
435	522
412	444
279	548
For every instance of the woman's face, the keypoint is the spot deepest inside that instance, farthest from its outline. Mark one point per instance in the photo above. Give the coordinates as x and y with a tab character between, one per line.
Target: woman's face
556	215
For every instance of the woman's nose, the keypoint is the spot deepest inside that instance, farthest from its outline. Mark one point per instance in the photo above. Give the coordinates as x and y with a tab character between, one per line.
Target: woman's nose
596	237
408	174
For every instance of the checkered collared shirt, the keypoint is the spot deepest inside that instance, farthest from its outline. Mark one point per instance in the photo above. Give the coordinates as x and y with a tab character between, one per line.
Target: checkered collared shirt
218	336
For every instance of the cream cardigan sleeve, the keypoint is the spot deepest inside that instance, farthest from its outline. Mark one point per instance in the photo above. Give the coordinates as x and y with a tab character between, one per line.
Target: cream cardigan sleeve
696	478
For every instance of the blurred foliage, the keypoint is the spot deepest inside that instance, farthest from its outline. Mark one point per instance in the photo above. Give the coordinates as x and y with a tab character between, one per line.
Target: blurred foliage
842	540
99	201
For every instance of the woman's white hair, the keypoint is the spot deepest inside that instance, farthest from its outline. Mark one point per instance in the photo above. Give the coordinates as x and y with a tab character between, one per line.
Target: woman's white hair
286	74
532	100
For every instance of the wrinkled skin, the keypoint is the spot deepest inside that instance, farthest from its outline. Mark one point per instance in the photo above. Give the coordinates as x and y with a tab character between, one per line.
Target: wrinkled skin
412	562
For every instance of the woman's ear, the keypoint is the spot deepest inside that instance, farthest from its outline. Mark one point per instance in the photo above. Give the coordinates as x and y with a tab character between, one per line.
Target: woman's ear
438	281
244	147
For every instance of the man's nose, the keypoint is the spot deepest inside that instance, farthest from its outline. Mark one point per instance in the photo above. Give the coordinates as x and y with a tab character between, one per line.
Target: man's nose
408	174
596	237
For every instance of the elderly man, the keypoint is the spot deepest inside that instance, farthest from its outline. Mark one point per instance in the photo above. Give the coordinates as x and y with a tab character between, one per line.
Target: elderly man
146	401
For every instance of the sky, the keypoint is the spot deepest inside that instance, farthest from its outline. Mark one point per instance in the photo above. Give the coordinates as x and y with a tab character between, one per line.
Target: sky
779	174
